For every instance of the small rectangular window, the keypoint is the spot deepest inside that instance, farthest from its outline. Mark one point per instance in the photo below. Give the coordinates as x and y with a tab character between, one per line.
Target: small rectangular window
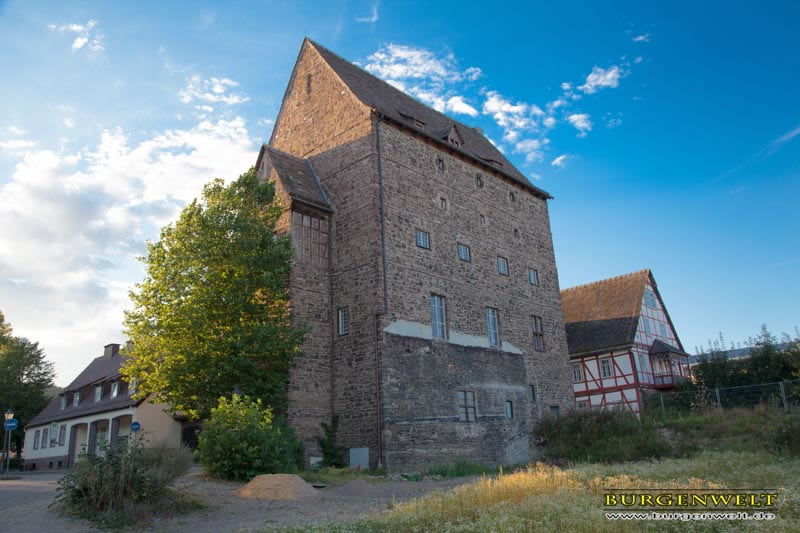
466	406
509	409
114	389
343	321
98	393
443	203
483	220
554	411
64	402
76	399
663	328
44	438
62	434
532	391
650	299
440	164
647	327
491	327
423	239
36	440
538	334
577	373
605	368
464	253
502	265
581	405
533	276
438	324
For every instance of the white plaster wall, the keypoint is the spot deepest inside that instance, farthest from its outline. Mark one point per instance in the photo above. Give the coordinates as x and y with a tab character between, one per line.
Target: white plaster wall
30	431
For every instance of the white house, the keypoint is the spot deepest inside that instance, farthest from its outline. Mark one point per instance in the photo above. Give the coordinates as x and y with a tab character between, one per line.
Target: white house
95	408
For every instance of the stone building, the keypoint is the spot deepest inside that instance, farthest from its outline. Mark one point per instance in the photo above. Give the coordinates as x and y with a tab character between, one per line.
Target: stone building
424	266
622	342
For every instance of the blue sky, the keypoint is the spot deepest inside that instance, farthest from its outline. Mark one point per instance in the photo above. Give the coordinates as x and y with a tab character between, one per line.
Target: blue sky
668	134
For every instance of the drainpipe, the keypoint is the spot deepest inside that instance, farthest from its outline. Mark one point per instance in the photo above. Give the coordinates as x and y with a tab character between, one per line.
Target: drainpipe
385	298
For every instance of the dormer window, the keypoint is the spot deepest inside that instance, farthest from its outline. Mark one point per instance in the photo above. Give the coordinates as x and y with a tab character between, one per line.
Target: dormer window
63	402
98	393
114	389
76	399
418	123
452	136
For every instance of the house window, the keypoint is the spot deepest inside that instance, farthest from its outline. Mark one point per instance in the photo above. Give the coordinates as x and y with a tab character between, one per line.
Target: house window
502	265
114	389
440	164
44	438
581	405
663	328
491	327
98	393
647	328
538	334
418	123
483	220
479	181
438	325
423	239
577	373
509	409
76	399
605	368
36	440
63	402
464	253
343	321
511	197
466	406
310	239
650	299
532	392
533	276
516	233
62	434
132	387
554	411
443	203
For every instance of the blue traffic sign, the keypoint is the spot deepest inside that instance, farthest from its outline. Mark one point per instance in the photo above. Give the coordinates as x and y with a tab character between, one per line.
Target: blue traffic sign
11	424
136	426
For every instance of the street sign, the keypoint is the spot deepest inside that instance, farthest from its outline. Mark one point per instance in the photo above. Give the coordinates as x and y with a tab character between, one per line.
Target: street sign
11	424
136	426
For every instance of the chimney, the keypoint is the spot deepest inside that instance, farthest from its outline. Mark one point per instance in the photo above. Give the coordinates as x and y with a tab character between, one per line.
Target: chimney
111	350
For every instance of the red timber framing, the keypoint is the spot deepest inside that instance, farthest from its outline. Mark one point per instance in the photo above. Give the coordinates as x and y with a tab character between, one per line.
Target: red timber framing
620	389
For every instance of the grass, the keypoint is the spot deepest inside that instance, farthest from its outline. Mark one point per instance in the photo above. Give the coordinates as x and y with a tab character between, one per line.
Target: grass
549	498
460	468
338	476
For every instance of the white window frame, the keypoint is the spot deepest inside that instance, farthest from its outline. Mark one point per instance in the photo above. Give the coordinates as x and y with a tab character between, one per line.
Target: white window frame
45	438
533	277
36	436
114	389
581	404
492	327
76	399
98	393
343	321
467	255
62	434
502	265
64	402
606	368
577	373
438	317
423	239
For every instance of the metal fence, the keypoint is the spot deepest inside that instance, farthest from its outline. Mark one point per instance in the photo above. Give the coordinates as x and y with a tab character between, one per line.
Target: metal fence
782	395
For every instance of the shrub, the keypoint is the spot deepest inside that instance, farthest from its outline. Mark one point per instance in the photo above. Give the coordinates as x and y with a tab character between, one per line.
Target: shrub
118	486
241	440
333	455
605	436
460	468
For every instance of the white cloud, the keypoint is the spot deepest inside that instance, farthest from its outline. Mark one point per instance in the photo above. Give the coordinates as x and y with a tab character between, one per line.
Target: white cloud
68	122
601	78
86	35
566	86
549	122
644	38
372	18
581	122
534	176
211	90
532	148
638	59
13	130
613	122
473	73
264	122
508	115
401	62
560	161
77	262
456	104
17	145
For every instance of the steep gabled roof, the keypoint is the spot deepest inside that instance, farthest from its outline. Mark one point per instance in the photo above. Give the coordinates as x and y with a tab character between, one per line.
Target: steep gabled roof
399	107
661	347
604	314
296	176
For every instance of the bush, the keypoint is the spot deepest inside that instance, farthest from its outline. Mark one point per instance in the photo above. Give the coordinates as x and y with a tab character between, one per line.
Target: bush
601	436
241	440
333	455
460	468
120	485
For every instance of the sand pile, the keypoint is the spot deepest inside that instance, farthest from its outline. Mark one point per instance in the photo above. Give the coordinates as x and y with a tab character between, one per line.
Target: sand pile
277	487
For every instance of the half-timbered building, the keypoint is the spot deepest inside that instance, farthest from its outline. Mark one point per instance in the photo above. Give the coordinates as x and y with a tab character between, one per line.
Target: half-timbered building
622	342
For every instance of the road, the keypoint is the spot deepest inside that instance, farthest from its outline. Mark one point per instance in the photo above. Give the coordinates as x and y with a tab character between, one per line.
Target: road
23	505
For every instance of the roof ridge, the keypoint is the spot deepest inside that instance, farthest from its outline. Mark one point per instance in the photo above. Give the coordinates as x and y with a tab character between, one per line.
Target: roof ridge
600	281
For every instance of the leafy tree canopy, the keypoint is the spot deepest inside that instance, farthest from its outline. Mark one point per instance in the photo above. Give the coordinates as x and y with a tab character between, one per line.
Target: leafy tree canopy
211	317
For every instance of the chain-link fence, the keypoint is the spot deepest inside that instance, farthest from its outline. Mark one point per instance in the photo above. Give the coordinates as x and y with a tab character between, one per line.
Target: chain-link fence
783	395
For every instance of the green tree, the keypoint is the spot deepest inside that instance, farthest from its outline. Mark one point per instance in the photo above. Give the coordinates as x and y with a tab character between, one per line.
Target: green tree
25	377
211	317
